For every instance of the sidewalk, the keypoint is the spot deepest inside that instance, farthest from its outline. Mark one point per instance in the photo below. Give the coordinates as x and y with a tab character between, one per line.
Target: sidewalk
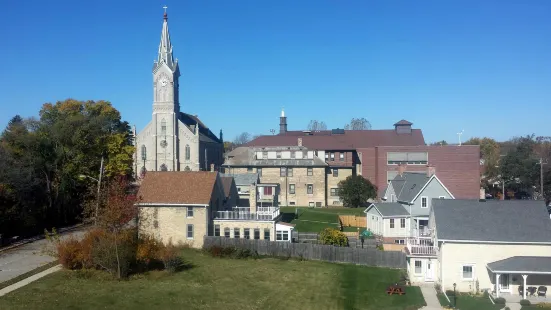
28	280
429	293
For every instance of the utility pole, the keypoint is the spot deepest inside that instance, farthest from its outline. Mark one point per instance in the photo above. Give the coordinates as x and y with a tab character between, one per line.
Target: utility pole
99	187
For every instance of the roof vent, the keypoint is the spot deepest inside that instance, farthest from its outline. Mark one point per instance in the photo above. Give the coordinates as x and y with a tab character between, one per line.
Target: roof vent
307	132
337	131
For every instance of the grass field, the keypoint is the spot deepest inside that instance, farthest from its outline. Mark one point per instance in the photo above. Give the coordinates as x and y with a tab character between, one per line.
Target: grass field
316	219
217	283
466	302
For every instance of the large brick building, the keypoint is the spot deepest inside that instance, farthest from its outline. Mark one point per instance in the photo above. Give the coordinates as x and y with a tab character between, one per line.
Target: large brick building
376	154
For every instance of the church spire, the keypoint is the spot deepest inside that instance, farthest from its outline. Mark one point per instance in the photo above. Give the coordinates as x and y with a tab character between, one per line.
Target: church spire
165	47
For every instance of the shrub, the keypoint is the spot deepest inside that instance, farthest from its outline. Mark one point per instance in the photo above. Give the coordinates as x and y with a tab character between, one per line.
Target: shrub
69	253
525	302
148	249
170	257
544	305
331	236
214	251
438	287
451	292
87	244
485	294
115	253
499	301
506	308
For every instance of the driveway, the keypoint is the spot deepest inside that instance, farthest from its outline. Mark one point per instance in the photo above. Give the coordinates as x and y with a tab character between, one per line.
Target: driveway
27	257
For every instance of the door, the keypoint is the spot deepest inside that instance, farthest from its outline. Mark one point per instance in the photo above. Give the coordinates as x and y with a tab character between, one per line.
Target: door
504	283
429	272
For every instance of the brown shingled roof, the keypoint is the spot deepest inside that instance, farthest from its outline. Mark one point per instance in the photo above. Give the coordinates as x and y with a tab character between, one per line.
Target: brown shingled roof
350	140
227	183
177	187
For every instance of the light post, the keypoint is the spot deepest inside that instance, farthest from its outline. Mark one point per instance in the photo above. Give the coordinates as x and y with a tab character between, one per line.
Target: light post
454	297
82	176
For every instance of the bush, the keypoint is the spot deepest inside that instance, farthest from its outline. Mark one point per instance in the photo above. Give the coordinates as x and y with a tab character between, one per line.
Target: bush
525	302
331	236
230	252
87	244
115	253
451	293
438	287
499	301
170	257
69	252
544	305
485	294
148	249
506	308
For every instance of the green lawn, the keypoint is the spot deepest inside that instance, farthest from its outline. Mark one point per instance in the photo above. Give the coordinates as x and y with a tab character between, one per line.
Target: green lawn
316	219
216	283
466	302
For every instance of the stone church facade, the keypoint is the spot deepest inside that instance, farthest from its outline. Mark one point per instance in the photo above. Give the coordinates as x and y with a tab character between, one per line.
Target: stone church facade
173	140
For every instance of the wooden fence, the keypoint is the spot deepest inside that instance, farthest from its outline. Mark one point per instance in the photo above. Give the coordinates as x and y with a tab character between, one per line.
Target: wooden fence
309	251
352	220
301	237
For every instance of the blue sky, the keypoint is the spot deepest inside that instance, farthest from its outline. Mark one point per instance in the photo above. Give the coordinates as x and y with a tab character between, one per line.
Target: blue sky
480	66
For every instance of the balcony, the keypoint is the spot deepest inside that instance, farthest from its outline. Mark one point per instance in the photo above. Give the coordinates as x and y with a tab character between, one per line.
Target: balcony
421	246
261	214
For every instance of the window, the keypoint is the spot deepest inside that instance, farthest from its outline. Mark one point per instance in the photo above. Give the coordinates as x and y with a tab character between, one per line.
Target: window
236	233
163	127
318	204
144	152
292	203
309	172
265	155
190	231
189	212
341	156
293	154
418	267
267	190
326	156
441	197
278	155
332	156
259	171
407	158
257	233
311	204
282	235
289	172
399	241
310	188
468	271
424	202
334	192
247	233
226	232
249	169
291	188
266	234
188	152
217	230
402	223
391	223
282	172
335	172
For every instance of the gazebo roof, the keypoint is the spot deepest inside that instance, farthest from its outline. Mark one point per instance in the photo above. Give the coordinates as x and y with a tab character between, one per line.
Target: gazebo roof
522	264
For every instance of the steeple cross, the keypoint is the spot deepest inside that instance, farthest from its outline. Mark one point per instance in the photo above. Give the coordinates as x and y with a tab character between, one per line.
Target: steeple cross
165	7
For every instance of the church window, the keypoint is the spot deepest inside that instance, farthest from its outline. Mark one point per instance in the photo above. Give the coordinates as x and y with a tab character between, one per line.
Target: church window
144	153
164	167
188	155
163	126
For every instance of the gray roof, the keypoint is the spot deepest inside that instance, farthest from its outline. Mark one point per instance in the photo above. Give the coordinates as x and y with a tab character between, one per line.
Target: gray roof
529	264
492	220
242	178
245	157
390	209
408	185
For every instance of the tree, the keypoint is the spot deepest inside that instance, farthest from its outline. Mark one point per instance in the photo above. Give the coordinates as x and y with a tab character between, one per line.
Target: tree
331	236
316	125
358	124
490	155
242	138
519	168
355	190
440	143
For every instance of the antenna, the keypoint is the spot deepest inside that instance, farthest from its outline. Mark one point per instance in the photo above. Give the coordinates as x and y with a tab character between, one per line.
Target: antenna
459	134
272	131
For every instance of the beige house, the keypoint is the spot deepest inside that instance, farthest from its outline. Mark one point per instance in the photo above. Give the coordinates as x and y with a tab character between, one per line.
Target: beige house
180	205
499	246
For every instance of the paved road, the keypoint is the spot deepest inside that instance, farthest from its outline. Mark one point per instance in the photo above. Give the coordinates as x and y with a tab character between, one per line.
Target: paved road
29	256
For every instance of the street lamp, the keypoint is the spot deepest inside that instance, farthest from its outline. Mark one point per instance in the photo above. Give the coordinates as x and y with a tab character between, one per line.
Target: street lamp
454	297
82	176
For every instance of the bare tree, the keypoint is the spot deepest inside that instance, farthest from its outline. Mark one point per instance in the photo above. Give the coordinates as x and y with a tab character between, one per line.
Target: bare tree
315	125
242	138
358	124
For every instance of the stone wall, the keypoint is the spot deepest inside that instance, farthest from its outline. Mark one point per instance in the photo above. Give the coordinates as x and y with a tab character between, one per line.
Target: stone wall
300	179
333	182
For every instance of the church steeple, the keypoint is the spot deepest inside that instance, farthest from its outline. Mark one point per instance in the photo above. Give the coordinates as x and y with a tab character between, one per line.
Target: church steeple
165	47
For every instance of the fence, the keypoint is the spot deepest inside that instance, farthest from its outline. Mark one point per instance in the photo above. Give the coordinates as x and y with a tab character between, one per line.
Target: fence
304	237
309	251
352	220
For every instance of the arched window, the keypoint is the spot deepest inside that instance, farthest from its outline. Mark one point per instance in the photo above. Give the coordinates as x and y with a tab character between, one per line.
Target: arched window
188	152
187	168
163	127
164	167
144	153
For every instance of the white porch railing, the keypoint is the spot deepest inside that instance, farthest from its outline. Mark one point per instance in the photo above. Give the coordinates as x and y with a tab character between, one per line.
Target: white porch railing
262	214
421	246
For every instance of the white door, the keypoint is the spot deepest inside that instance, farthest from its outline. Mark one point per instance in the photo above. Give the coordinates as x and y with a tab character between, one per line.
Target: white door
429	272
504	283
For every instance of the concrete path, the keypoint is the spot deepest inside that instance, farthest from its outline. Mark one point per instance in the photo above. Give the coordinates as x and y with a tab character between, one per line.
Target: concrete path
21	259
28	280
429	293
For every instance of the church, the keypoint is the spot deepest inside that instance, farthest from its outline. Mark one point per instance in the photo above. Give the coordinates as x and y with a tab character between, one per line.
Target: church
173	140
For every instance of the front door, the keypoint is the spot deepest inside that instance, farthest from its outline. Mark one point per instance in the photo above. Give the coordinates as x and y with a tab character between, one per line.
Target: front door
429	272
504	283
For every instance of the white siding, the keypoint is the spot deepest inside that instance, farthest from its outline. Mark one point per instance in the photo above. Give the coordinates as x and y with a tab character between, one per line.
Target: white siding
374	221
397	231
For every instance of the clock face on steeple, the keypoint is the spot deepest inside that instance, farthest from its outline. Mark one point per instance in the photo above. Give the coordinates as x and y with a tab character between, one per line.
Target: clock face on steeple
164	82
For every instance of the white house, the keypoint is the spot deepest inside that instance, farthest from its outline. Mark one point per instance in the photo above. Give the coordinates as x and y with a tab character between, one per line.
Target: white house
284	231
390	220
497	246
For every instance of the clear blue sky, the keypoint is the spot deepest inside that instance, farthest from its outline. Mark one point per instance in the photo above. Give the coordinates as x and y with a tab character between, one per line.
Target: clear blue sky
481	66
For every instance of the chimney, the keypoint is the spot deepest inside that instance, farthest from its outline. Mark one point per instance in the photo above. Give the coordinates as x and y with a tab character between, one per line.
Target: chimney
299	141
401	169
282	123
211	167
482	194
430	171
